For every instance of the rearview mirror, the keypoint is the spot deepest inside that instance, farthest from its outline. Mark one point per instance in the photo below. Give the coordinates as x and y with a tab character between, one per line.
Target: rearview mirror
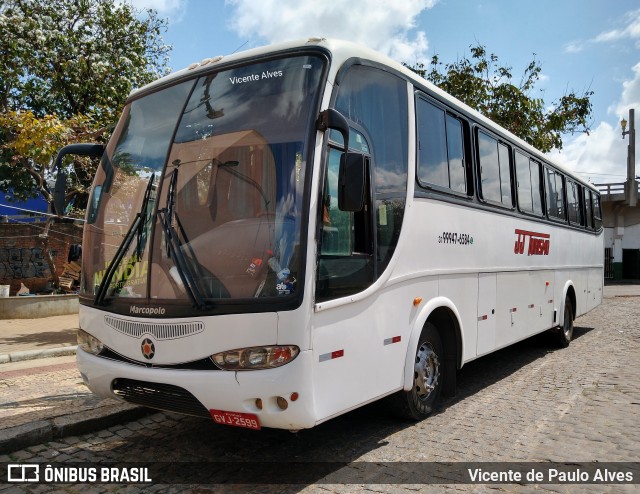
60	189
351	182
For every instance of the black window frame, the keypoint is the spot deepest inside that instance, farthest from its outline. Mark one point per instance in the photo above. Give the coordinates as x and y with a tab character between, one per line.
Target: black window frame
478	167
596	204
530	161
467	161
580	202
557	173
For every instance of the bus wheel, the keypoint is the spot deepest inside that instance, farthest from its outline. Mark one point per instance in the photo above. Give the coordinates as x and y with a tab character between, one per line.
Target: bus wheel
565	332
427	378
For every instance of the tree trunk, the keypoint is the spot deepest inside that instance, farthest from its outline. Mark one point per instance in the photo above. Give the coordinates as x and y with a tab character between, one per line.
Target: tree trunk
46	252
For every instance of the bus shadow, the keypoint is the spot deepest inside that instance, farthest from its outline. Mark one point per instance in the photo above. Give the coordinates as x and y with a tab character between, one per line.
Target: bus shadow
492	368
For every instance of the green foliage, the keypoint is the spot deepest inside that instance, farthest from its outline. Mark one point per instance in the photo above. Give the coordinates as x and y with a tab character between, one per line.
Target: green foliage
483	84
66	68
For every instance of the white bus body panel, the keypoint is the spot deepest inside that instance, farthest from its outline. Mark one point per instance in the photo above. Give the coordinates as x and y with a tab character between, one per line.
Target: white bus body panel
221	390
499	297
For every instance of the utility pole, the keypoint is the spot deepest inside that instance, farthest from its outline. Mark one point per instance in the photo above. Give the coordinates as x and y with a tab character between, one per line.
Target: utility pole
631	186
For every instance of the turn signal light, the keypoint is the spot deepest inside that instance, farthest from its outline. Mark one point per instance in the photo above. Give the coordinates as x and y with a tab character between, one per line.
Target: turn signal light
254	358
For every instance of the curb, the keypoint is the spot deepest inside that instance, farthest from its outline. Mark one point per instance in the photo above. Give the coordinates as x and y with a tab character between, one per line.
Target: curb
34	354
24	436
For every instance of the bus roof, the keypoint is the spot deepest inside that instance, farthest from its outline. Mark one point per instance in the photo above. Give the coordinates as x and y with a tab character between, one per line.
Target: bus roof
341	51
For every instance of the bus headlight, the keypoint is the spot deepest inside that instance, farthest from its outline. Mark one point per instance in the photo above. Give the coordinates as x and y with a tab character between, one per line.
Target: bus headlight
263	357
89	343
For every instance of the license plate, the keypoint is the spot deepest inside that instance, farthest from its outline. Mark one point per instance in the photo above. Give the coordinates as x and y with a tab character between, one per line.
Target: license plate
236	419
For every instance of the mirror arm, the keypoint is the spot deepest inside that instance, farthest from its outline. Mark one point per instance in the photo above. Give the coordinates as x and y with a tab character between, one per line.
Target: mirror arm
333	119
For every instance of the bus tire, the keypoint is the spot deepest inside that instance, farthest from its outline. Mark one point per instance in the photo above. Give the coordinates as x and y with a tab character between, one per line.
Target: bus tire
565	332
428	377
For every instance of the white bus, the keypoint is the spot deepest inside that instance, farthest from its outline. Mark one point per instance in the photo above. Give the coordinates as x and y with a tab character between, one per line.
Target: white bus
239	264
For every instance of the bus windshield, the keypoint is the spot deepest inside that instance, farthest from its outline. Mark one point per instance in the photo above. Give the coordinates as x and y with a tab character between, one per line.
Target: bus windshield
199	194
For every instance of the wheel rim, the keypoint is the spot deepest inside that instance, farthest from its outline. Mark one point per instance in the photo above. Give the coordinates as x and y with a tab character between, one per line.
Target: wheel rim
426	371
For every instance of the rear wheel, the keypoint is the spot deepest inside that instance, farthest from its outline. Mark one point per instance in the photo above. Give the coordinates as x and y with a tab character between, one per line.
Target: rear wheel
428	375
565	332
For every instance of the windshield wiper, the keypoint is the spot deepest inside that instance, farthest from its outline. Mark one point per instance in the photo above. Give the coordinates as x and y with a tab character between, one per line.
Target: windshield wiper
174	246
245	178
135	230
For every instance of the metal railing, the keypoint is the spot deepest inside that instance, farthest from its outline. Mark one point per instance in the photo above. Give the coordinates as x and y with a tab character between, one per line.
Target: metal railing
613	189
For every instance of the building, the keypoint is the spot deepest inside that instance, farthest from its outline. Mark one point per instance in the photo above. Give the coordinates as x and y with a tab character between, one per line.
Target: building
621	218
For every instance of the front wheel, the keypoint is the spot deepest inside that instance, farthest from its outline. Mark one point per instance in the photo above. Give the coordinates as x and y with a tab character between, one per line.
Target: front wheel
428	376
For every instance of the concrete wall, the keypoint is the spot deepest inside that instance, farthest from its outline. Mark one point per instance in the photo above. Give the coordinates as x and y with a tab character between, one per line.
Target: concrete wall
38	306
622	233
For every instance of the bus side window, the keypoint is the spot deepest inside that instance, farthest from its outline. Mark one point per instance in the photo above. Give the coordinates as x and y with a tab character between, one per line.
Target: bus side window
495	170
597	212
440	148
555	194
528	181
588	211
573	203
536	188
345	264
523	176
337	225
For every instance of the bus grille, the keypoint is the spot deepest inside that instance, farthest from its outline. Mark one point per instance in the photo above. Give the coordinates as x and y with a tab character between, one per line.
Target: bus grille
160	331
161	396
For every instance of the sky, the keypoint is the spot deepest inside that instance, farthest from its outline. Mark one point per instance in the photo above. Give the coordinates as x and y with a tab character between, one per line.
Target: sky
581	45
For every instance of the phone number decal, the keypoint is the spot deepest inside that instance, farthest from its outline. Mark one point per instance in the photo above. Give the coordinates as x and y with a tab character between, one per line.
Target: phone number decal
455	238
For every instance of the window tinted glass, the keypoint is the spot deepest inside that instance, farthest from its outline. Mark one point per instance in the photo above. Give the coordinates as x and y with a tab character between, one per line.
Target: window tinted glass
573	203
440	148
587	209
505	174
536	190
597	213
489	168
555	194
523	176
495	170
455	147
377	101
432	146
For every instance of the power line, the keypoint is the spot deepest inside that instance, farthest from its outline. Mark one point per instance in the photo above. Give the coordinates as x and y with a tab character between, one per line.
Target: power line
41	213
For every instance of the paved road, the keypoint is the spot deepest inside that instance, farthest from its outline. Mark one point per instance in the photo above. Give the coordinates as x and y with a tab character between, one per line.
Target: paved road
529	402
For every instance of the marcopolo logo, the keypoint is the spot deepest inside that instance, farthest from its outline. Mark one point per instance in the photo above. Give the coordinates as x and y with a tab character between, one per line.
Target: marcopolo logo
147	311
148	349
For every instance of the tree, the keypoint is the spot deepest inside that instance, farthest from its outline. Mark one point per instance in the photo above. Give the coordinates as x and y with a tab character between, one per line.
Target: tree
66	68
483	84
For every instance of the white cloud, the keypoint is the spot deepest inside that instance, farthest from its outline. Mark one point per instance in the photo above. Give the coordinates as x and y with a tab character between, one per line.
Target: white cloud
574	47
631	30
630	96
600	157
385	26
